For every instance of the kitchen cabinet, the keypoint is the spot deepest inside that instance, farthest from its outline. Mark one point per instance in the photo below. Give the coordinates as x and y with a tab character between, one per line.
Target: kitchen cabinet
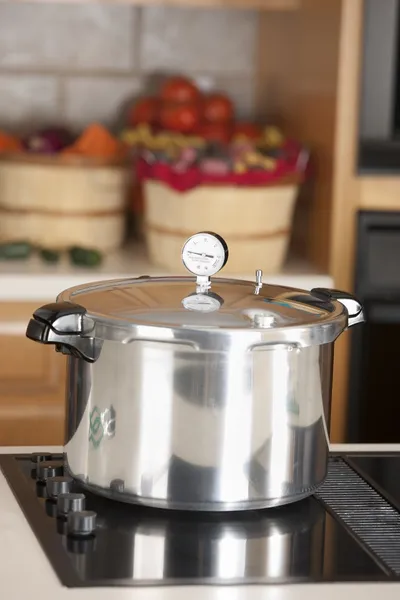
309	66
307	79
280	5
32	382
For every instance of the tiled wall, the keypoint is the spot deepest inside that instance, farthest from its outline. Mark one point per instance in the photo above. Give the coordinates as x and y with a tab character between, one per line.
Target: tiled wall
80	63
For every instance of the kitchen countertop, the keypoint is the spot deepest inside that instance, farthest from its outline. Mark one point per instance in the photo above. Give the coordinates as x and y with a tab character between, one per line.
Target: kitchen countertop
26	573
34	280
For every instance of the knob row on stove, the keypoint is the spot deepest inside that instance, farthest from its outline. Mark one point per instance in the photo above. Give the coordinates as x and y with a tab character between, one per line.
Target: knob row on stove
38	457
58	485
49	468
81	523
77	524
65	503
61	501
70	502
73	519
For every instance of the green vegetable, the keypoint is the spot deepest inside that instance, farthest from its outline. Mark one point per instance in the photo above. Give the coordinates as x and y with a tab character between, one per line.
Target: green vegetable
85	257
15	251
50	256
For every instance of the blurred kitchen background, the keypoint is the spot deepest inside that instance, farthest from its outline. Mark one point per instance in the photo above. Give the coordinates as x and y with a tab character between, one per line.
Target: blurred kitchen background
124	128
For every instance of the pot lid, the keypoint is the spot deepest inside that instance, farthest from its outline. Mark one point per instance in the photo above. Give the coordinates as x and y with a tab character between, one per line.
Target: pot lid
229	304
215	305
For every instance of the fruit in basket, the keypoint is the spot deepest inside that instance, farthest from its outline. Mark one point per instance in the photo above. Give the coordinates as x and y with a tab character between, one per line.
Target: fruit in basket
273	137
179	117
9	143
215	166
258	161
48	141
145	110
186	159
247	131
97	142
217	108
215	132
179	90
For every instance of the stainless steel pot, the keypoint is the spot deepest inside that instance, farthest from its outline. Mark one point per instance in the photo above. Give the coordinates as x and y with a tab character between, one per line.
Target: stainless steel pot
187	393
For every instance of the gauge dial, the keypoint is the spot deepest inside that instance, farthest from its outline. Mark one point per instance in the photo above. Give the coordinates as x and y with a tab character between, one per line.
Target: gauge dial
203	302
205	253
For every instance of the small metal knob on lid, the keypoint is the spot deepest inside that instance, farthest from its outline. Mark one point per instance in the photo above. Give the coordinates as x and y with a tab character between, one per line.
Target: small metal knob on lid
81	523
259	283
47	469
58	485
70	502
263	321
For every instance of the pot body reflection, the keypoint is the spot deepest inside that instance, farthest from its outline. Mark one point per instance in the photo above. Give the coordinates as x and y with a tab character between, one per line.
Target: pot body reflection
279	544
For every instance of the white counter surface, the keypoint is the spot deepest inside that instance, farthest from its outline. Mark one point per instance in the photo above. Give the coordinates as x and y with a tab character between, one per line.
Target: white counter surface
25	572
34	280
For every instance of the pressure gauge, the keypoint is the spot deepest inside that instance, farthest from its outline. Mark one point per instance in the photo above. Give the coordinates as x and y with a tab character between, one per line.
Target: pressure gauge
205	303
204	254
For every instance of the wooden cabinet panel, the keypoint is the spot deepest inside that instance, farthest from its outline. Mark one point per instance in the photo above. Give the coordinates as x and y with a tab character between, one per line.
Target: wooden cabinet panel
32	383
279	5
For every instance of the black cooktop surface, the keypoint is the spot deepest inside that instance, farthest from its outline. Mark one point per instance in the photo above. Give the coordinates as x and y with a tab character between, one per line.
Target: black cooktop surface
348	531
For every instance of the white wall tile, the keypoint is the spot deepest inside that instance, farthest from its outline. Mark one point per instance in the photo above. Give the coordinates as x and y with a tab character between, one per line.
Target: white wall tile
198	40
26	101
67	37
98	99
89	50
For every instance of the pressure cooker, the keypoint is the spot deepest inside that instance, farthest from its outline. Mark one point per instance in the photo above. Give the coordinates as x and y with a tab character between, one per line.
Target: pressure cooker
196	392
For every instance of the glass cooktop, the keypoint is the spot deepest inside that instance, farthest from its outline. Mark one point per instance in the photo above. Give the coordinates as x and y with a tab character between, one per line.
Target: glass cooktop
348	531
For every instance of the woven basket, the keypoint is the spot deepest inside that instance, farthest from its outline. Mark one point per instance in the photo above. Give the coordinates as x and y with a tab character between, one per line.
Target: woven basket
255	222
60	202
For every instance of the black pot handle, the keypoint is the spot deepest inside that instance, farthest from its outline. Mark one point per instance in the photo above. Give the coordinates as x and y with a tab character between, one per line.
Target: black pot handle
350	302
63	324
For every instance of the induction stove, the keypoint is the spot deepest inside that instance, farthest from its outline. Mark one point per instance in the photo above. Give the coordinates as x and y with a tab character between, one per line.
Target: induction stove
349	530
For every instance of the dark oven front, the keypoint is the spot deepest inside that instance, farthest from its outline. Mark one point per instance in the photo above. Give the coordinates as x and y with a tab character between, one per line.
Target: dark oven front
374	381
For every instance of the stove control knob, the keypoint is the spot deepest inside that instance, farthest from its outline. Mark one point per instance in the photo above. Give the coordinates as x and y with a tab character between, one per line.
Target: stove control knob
41	490
81	523
67	503
38	457
51	468
81	546
50	508
58	485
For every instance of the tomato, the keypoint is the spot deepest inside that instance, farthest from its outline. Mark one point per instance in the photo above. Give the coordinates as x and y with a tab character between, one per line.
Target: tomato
248	130
179	89
179	117
144	111
215	132
217	108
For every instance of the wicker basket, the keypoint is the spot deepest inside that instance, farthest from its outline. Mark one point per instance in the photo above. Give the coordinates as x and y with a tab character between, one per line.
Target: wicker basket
255	222
61	202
